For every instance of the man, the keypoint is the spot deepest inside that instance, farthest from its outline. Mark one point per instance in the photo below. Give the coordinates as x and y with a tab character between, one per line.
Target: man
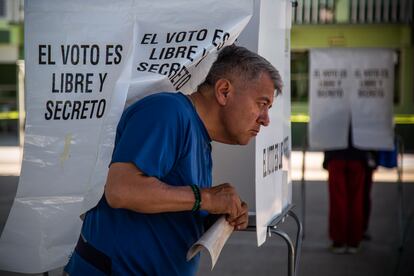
158	190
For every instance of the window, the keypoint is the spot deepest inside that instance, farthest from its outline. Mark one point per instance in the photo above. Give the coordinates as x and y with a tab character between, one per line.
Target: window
299	76
3	9
314	12
381	11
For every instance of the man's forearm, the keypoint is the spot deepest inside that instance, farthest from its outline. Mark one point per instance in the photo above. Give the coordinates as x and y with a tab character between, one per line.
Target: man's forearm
128	188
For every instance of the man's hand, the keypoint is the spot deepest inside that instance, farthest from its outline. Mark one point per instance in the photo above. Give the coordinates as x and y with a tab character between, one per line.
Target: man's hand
242	220
223	199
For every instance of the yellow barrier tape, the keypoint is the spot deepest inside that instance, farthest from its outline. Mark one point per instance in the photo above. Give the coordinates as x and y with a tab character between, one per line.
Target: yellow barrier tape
9	115
403	119
295	118
299	118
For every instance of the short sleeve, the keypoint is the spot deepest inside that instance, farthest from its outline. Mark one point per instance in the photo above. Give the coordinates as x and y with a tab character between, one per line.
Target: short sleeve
152	136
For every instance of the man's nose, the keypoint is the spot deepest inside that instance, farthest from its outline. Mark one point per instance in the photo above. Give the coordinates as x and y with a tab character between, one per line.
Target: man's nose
264	119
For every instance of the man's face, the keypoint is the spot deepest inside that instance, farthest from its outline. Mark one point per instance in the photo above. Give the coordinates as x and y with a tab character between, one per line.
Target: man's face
247	109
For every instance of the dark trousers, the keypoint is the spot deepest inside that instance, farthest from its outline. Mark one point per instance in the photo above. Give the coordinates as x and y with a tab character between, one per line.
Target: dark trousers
346	193
367	197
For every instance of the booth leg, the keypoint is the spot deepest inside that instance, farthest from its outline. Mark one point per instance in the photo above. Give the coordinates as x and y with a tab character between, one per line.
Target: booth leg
401	215
291	250
303	187
299	238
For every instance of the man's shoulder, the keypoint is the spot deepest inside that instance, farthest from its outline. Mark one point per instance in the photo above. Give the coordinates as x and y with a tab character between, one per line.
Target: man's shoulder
164	106
165	100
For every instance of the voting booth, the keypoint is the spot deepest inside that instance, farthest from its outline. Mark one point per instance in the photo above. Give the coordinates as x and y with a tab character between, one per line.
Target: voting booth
86	61
351	87
350	90
261	170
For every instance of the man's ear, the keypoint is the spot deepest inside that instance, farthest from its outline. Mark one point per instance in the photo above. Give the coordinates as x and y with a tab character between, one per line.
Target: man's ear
222	89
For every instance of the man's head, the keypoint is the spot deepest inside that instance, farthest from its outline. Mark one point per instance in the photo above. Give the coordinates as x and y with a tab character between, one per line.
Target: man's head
244	85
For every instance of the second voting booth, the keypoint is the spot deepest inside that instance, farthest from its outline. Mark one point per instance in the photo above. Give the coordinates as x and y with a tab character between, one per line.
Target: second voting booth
351	91
86	61
351	88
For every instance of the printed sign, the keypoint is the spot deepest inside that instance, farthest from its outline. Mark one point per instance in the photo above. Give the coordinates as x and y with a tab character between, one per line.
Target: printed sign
351	88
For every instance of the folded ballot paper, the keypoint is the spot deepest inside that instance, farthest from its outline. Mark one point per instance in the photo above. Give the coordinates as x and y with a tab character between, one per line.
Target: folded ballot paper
213	240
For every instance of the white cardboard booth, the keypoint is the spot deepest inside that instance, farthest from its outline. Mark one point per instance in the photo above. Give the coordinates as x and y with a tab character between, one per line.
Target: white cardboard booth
86	60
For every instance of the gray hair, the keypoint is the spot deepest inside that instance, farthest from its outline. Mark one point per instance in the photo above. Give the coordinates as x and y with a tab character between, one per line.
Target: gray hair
238	61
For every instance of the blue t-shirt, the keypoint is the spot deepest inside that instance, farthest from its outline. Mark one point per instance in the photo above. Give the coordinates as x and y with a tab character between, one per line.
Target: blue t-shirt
164	137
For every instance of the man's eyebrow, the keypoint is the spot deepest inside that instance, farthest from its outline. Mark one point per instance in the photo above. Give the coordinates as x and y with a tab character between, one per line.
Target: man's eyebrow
264	98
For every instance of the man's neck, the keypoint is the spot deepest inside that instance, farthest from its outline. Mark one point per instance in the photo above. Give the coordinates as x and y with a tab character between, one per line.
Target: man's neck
207	109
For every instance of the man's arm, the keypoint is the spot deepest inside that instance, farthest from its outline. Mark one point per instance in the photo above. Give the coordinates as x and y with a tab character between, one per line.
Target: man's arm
129	188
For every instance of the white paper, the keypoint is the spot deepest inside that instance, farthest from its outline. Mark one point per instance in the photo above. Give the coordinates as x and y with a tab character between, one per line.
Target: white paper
329	106
212	240
372	100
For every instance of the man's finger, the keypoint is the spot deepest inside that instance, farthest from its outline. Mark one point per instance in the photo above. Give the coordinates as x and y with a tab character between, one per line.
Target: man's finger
241	219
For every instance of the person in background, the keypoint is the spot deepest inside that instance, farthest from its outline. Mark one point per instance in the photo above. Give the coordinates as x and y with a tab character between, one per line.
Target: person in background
347	170
159	188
